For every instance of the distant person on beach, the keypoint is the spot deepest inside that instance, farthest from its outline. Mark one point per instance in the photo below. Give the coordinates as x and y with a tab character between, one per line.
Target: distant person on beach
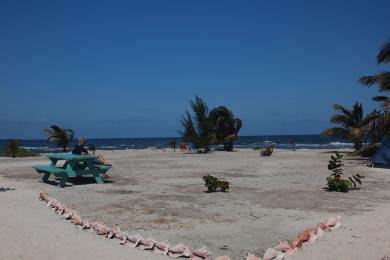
80	149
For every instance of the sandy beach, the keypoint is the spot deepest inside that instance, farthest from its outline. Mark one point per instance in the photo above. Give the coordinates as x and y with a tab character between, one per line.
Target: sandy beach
160	194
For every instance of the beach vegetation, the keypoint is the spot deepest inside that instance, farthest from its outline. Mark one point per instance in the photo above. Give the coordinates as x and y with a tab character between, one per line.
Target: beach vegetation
62	137
226	126
266	151
173	144
335	181
12	148
352	124
203	128
213	184
382	79
197	128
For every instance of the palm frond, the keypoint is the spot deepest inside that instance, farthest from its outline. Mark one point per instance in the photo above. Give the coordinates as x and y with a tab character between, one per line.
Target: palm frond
342	109
336	132
384	54
381	79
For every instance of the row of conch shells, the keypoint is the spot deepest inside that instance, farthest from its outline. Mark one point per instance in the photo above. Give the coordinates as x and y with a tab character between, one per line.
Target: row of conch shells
162	248
305	237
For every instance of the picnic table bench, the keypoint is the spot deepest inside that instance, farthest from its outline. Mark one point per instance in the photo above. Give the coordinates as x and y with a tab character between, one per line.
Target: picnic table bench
75	165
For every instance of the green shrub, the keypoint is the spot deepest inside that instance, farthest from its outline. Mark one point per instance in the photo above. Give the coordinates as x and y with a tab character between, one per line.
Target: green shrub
336	184
267	151
223	185
213	184
335	181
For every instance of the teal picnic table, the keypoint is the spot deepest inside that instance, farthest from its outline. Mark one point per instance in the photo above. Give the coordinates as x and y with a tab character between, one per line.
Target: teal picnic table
75	165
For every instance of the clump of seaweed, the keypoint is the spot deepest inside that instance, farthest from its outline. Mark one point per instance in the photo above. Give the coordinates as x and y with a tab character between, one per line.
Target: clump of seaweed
213	184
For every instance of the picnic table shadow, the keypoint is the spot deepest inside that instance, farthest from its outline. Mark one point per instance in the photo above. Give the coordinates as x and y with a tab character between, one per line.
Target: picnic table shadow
84	180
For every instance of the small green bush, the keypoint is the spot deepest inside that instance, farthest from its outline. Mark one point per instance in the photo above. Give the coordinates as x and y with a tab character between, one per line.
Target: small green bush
224	186
213	184
335	181
267	151
336	184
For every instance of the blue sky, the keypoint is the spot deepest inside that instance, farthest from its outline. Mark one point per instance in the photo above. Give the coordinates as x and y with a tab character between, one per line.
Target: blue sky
129	68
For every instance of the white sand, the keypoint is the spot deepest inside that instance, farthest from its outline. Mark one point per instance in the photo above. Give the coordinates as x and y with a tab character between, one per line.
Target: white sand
160	194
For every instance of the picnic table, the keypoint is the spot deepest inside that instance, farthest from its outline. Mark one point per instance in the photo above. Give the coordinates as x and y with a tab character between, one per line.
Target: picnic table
75	165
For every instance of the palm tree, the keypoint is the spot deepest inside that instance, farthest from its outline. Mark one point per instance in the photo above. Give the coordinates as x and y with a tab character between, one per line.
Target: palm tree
379	126
382	80
61	136
351	122
198	128
225	126
12	147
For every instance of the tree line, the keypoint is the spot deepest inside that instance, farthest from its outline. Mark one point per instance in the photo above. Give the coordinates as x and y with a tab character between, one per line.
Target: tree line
373	127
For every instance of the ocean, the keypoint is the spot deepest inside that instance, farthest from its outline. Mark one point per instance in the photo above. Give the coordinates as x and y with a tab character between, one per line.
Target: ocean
278	141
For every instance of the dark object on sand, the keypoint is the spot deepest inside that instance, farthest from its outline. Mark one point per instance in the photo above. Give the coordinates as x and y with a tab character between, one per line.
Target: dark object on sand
213	184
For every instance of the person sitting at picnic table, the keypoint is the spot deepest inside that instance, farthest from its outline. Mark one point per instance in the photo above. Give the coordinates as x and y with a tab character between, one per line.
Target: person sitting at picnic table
80	149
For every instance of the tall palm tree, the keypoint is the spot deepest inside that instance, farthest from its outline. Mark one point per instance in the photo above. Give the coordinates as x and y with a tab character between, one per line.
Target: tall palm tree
226	126
61	136
382	80
198	128
351	122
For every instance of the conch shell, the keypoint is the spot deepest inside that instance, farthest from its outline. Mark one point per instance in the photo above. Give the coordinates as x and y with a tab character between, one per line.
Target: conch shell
147	244
77	220
135	239
202	253
68	213
179	250
323	226
100	228
304	236
161	248
296	243
113	231
334	222
283	246
43	195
